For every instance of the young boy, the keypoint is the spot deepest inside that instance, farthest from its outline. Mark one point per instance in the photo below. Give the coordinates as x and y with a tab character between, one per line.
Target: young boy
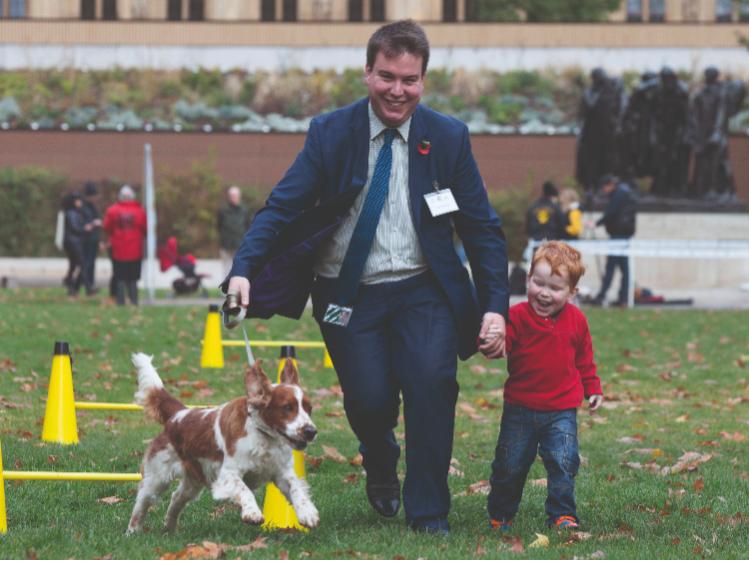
551	368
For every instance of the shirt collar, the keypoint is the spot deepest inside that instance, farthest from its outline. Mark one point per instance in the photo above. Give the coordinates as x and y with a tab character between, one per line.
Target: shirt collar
376	126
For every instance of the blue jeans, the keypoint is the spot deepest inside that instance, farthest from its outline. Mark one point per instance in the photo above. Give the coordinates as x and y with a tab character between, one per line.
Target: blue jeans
522	434
613	262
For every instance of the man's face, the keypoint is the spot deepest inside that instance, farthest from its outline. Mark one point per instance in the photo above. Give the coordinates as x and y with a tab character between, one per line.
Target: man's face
395	87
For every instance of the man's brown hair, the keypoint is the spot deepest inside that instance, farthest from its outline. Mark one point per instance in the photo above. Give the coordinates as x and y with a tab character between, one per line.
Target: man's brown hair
560	256
394	39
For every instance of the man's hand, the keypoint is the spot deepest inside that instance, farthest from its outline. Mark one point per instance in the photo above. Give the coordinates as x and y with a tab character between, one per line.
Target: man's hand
595	402
240	286
492	335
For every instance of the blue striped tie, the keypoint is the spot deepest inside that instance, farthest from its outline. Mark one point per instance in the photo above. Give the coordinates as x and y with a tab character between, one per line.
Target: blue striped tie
366	226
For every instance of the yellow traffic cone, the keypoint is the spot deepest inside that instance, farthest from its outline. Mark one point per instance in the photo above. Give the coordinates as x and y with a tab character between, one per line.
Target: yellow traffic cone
59	418
212	356
3	517
277	511
327	362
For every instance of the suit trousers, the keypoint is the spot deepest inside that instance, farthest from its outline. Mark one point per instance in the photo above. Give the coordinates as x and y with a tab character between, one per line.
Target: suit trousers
401	339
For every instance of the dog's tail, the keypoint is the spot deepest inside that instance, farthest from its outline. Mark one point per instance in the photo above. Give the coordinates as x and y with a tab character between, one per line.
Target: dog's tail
158	404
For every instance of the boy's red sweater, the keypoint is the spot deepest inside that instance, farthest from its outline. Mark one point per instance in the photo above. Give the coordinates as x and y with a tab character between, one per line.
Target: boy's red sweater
550	360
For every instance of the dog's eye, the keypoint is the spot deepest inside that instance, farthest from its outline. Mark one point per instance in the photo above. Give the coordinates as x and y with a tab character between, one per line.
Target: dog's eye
288	408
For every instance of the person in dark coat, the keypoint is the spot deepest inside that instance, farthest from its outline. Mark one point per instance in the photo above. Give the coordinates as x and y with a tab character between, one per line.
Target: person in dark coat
545	219
395	305
233	220
75	233
619	219
638	135
93	233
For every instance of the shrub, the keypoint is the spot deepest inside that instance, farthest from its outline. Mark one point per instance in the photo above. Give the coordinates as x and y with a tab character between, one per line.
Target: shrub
511	206
29	200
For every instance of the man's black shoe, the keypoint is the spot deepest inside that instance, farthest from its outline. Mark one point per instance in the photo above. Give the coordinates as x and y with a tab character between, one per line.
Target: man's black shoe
385	499
430	526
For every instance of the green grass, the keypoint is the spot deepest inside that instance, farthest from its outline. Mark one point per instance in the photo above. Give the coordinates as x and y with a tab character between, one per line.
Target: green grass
675	381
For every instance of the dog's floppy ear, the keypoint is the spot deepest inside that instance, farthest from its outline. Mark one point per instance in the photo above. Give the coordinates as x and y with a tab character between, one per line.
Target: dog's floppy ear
257	386
289	375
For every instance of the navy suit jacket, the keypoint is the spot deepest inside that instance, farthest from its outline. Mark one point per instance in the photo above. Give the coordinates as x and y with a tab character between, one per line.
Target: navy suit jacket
323	182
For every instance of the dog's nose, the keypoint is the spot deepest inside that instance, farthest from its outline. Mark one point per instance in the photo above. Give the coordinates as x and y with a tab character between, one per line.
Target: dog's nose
309	432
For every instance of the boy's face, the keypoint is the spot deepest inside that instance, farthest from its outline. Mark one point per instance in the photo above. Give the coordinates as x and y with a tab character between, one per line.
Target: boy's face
547	291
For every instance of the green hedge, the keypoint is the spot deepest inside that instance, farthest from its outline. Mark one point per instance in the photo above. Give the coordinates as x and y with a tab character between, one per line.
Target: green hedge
186	206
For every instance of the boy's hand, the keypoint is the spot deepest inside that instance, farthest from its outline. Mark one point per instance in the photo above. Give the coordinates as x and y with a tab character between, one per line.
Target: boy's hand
492	335
595	402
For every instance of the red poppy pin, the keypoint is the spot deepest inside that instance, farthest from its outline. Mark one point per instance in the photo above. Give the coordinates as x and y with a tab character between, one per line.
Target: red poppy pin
424	147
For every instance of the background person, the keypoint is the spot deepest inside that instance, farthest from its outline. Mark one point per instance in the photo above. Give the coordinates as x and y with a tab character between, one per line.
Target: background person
544	219
125	224
233	221
394	304
75	232
619	219
569	203
92	237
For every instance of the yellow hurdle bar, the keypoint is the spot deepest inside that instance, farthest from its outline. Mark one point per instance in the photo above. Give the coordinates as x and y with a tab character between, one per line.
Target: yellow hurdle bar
271	343
123	406
95	476
106	406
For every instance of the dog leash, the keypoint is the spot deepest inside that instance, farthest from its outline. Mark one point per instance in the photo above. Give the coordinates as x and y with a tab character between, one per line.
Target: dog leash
232	315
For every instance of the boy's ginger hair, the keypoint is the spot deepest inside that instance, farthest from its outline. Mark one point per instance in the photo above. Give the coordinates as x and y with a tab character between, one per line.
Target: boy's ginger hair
560	256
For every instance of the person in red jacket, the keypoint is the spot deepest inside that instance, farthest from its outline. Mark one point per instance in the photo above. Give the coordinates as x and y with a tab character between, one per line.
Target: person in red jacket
550	363
125	224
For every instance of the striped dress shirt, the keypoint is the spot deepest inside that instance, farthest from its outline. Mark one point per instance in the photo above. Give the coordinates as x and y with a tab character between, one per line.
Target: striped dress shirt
396	253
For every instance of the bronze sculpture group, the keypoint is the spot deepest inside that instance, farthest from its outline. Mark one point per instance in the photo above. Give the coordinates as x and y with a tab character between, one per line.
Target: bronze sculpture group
655	132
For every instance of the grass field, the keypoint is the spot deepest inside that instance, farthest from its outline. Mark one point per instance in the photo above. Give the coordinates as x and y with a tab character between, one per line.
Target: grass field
675	383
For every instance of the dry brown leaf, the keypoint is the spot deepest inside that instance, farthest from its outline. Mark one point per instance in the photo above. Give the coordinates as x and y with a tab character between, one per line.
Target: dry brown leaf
514	542
689	461
736	436
110	500
580	536
480	487
540	482
352	478
453	471
356	460
625	368
480	550
598	554
682	418
699	484
478	369
257	544
331	453
206	551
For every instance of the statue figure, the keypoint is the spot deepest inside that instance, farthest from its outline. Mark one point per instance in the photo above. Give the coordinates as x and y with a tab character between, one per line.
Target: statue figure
711	109
600	112
638	135
670	113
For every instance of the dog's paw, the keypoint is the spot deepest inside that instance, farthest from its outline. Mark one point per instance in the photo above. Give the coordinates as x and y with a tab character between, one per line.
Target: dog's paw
131	531
253	518
308	516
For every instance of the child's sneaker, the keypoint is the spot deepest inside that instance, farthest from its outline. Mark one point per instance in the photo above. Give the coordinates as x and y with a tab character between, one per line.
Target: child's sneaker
566	522
502	525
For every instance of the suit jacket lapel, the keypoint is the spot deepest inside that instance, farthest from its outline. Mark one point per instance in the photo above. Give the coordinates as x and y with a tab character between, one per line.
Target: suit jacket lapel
419	166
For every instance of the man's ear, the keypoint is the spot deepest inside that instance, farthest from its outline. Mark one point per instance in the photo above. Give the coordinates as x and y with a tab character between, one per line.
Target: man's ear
289	375
257	386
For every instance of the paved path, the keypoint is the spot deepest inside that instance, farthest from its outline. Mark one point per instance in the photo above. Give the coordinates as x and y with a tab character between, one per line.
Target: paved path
48	272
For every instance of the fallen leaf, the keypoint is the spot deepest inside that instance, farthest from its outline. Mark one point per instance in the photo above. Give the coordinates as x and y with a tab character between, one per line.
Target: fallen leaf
625	368
542	541
481	487
689	461
480	550
352	478
478	369
110	500
331	453
206	551
682	418
540	482
630	440
699	484
580	536
598	554
356	460
257	544
736	436
452	471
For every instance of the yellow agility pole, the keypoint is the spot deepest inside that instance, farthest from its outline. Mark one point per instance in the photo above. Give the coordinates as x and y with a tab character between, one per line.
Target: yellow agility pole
275	343
3	516
78	476
212	354
277	511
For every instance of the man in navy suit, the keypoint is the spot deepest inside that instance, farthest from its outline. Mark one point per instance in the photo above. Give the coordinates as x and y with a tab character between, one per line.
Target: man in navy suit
394	304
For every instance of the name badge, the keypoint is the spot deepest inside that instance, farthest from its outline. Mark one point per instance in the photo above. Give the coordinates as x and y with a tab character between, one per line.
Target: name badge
441	202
